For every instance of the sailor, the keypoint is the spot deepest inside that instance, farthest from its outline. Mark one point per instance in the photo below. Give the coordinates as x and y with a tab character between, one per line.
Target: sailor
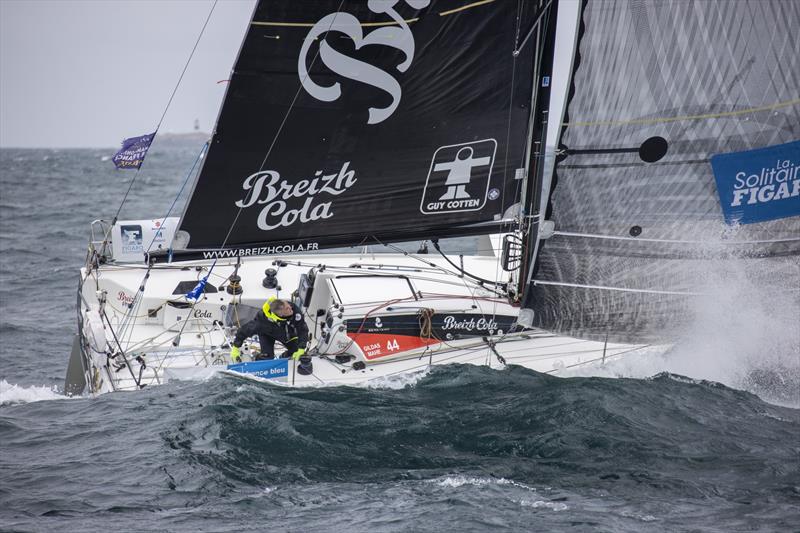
278	320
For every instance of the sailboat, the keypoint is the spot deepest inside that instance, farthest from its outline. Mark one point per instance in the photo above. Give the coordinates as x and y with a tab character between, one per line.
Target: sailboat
592	147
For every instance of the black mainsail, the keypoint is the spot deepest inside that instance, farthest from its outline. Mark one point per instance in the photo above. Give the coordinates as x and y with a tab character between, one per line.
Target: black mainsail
639	212
353	121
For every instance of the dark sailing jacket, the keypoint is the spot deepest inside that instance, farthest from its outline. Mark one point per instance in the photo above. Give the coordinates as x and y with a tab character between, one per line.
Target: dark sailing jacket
281	330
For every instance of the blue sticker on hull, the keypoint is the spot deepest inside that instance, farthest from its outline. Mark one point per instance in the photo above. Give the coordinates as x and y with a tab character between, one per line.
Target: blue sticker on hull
269	368
759	185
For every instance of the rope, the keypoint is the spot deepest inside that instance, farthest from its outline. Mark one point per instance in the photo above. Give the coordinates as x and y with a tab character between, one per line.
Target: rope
426	324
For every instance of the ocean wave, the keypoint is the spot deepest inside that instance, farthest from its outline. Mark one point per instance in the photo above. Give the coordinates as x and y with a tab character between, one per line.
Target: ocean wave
542	504
395	381
16	394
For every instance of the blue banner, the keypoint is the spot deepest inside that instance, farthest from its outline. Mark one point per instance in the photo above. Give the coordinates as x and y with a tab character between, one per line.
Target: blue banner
268	368
133	151
759	185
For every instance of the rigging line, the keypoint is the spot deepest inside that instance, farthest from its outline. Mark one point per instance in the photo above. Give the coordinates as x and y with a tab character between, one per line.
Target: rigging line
672	241
544	10
142	283
280	129
619	289
413	256
371	24
725	114
641	347
312	24
510	104
169	102
464	272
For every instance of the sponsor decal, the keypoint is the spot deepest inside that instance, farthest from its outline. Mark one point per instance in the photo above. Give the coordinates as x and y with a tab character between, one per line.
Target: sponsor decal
272	368
131	238
377	345
267	191
261	250
759	185
458	178
469	324
158	230
397	36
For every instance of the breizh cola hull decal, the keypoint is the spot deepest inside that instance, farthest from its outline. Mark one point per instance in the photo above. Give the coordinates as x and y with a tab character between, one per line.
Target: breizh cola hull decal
386	336
346	122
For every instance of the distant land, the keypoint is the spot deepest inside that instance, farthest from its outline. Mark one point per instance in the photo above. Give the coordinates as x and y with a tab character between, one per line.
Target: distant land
166	139
172	139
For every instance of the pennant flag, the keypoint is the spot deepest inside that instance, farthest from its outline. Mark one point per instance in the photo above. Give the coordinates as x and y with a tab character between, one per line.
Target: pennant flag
198	290
133	150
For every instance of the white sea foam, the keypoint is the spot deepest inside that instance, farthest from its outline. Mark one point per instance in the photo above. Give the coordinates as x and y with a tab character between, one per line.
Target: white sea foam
743	333
460	481
395	381
636	516
541	504
11	394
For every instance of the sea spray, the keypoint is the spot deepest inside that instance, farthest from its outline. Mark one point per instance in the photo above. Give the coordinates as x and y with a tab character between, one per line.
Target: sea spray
13	394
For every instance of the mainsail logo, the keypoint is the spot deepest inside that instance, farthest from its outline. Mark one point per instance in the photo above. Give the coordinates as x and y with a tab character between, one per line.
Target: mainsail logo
458	178
759	185
399	37
267	189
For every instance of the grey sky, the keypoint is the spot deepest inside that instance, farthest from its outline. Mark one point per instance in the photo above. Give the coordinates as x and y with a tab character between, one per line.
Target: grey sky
88	73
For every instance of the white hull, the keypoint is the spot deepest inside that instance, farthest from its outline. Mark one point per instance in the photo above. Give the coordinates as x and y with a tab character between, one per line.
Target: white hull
350	312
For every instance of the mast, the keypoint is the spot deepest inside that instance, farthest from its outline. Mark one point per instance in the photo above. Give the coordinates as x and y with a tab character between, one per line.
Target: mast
530	216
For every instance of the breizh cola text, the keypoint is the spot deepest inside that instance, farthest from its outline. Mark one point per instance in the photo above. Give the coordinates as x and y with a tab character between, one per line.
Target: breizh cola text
275	194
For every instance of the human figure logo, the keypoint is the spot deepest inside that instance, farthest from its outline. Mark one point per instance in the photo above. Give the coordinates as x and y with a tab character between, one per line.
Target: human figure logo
460	172
458	179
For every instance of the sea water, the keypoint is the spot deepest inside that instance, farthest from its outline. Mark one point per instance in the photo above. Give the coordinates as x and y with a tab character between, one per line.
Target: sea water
709	445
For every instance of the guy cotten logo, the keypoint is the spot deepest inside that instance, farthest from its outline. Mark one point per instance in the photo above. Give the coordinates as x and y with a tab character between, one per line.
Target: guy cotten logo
458	178
268	189
759	185
399	37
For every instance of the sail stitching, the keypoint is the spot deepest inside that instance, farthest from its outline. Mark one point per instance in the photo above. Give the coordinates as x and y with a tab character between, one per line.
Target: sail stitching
662	120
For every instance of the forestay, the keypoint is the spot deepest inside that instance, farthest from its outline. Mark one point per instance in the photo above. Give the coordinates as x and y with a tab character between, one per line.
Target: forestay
356	121
674	83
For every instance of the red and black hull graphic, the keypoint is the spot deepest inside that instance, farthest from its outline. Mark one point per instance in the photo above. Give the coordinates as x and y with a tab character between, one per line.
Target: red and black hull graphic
383	336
